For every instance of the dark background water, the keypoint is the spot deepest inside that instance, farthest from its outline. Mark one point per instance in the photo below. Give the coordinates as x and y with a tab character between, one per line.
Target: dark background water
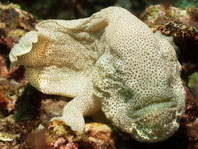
72	9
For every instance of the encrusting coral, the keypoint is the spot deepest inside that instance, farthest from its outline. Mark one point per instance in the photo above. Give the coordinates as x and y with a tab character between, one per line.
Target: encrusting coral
112	62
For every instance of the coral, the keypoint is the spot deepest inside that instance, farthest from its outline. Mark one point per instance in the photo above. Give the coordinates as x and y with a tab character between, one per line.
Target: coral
95	136
10	90
14	23
13	133
156	15
7	137
111	62
98	135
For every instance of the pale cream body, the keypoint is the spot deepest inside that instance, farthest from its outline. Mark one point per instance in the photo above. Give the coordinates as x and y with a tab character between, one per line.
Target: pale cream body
112	62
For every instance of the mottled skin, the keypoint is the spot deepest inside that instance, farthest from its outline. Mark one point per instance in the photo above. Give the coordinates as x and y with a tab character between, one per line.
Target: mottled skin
110	63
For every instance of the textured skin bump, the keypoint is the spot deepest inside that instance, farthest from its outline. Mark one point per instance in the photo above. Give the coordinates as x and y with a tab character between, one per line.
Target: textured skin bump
110	62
